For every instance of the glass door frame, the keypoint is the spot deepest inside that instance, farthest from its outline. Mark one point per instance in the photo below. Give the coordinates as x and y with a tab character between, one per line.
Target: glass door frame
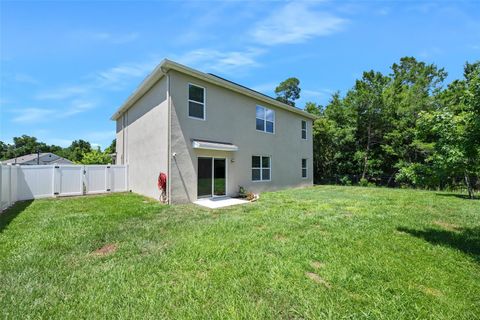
212	193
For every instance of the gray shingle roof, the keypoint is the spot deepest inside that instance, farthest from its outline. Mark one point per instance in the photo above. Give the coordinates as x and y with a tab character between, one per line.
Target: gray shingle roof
45	158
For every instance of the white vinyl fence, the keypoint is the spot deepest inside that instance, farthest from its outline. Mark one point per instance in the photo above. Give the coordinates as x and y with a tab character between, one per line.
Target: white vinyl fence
41	181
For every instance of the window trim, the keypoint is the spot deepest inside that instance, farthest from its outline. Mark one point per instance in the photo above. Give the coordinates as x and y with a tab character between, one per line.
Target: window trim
261	168
265	119
304	168
204	102
306	130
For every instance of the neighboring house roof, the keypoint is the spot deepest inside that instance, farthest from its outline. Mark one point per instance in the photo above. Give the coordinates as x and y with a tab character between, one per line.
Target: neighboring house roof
167	65
31	159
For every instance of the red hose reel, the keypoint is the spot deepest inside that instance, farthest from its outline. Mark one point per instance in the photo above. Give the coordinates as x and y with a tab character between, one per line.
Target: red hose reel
162	186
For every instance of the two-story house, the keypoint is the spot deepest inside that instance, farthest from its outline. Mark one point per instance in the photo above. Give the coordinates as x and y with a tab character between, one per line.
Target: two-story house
210	136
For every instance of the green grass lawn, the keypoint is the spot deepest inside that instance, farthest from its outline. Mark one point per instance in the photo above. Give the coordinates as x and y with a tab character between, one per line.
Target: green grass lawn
321	252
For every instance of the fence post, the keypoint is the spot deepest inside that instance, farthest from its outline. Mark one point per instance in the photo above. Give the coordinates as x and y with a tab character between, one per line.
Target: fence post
10	185
54	180
107	179
84	180
8	192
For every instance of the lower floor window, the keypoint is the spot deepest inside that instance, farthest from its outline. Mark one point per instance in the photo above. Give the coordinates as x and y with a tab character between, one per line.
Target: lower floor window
261	168
304	168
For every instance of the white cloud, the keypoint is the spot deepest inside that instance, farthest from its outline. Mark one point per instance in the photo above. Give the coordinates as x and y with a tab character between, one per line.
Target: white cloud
120	74
295	22
77	106
430	52
25	78
105	37
383	11
114	78
219	61
82	97
32	115
36	115
63	93
316	93
265	87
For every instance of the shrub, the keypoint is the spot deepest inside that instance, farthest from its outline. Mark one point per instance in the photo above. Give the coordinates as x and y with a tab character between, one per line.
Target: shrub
345	180
242	192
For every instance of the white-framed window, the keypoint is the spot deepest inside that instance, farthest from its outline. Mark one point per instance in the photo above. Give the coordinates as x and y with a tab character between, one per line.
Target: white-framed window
261	168
196	102
304	168
304	130
265	119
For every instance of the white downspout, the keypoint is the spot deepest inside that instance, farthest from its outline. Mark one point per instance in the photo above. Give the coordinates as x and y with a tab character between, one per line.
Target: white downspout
169	141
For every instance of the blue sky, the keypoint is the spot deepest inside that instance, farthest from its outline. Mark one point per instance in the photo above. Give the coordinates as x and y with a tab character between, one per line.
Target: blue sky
67	66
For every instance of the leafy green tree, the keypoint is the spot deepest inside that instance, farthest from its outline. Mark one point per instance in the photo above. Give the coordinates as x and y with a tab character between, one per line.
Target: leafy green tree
367	100
3	150
313	108
96	157
112	147
402	128
452	132
334	140
413	89
288	91
76	150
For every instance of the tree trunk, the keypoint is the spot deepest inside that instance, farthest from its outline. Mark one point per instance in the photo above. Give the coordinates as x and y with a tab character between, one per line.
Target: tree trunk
469	186
390	179
365	164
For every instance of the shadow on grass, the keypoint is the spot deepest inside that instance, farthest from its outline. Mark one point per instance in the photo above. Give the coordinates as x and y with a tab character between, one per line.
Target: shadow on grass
466	240
455	195
11	213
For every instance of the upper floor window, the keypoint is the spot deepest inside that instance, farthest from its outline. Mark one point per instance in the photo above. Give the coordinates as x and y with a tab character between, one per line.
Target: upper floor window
304	168
196	102
265	119
261	168
304	129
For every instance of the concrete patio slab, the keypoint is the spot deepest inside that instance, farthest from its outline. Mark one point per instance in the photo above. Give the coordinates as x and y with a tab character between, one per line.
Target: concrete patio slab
221	202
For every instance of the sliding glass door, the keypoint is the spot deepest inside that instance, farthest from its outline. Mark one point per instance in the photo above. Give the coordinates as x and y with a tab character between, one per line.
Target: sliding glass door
204	185
212	177
219	177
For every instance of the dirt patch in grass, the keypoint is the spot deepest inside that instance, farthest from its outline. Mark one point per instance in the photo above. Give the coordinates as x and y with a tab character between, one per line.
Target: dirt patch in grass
106	249
280	237
317	264
447	226
261	227
430	291
316	278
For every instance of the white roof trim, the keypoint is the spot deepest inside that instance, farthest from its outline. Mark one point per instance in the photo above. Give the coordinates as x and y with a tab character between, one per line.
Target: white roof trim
210	145
167	65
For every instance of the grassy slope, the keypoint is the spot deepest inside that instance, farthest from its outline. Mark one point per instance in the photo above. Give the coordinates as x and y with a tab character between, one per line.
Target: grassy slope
384	253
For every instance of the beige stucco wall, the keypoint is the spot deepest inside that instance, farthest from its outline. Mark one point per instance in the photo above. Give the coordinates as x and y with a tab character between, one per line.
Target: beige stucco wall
142	142
230	117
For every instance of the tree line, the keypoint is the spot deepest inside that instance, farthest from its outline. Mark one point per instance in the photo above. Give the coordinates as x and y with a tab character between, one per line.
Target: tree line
79	151
405	128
